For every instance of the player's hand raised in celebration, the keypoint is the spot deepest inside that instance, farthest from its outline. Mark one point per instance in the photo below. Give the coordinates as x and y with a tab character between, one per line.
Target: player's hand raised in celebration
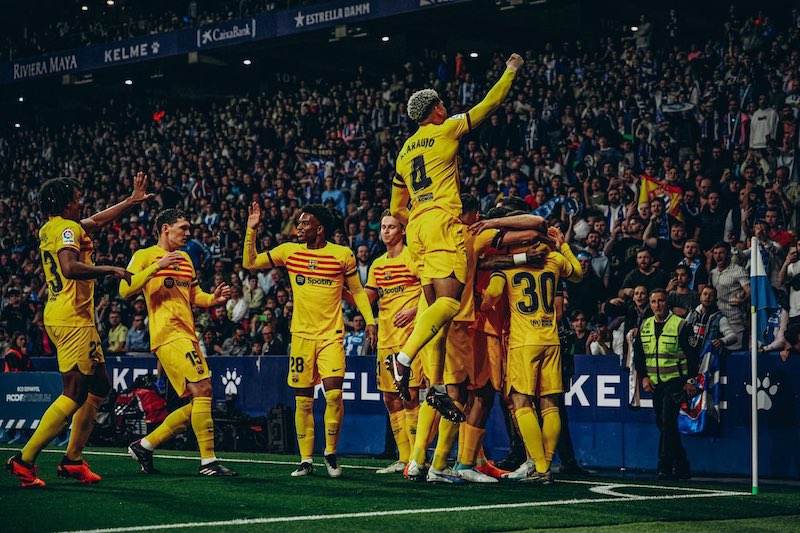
140	194
172	258
222	293
514	62
253	215
555	234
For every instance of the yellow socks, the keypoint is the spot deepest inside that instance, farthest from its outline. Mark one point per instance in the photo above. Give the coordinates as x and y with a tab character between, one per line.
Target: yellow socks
304	425
429	322
82	425
334	411
397	421
425	425
176	422
448	431
472	439
53	421
410	425
480	457
551	430
532	436
203	426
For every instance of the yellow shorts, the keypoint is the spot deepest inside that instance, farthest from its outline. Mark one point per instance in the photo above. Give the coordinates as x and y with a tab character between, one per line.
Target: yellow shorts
534	370
488	362
384	378
183	362
460	353
436	242
311	361
77	347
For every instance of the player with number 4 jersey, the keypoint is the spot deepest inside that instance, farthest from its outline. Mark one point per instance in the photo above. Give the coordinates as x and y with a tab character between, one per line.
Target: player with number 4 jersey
428	178
167	279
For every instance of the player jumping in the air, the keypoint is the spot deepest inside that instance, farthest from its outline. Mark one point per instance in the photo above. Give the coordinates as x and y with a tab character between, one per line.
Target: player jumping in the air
427	176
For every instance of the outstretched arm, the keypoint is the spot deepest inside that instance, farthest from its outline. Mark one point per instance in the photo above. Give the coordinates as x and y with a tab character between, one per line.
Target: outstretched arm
496	94
527	222
493	292
97	221
251	258
398	205
201	298
362	303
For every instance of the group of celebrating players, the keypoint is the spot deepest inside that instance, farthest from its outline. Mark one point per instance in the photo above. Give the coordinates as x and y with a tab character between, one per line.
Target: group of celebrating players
467	308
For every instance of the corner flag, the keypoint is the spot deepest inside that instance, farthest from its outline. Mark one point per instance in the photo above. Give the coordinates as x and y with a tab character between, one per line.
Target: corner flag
762	297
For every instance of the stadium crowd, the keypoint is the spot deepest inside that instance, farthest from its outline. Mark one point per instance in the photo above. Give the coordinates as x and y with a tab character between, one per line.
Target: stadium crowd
66	25
713	123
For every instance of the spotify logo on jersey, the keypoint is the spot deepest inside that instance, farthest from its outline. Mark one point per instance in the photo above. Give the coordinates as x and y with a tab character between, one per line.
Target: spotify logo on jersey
169	282
300	279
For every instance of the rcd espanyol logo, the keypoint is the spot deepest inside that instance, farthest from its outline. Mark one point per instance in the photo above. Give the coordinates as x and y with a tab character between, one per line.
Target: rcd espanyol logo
231	381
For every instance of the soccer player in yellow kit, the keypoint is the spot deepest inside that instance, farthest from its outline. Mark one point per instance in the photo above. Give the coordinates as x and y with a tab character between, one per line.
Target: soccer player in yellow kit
534	356
427	176
392	279
68	257
318	271
166	277
464	366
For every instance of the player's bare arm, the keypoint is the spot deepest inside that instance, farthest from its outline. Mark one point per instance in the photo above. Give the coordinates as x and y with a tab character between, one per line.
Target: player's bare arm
73	268
97	221
529	222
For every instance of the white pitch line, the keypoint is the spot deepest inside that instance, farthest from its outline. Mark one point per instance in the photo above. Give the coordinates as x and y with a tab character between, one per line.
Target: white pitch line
362	467
197	458
310	518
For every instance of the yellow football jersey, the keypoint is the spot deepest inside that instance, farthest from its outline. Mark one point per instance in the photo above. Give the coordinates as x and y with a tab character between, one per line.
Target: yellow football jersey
399	288
168	294
531	296
318	278
70	301
427	166
475	245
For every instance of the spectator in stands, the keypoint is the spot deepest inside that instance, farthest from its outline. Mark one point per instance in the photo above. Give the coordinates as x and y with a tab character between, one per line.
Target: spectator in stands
253	295
681	299
600	338
789	277
708	324
138	339
645	274
271	344
237	344
590	292
209	344
698	275
577	319
355	341
16	357
733	290
16	315
39	343
117	333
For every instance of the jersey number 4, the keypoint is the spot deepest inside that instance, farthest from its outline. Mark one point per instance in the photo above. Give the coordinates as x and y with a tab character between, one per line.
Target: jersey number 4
546	295
419	178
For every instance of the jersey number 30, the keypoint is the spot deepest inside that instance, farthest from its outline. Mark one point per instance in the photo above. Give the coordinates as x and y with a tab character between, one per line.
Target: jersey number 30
546	295
419	178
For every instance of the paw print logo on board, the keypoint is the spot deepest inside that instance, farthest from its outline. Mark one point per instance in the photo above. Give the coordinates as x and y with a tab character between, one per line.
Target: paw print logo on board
764	391
231	381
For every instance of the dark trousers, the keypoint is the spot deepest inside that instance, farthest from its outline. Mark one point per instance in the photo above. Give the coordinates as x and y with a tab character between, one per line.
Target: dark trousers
566	452
670	450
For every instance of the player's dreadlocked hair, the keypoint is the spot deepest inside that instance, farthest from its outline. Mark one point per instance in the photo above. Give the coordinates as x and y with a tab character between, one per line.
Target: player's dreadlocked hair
169	217
56	194
323	215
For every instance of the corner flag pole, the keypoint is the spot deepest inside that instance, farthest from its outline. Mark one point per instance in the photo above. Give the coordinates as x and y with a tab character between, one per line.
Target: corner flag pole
753	371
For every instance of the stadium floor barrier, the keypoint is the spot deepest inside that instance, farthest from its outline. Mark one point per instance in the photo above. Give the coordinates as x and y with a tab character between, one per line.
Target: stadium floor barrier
607	432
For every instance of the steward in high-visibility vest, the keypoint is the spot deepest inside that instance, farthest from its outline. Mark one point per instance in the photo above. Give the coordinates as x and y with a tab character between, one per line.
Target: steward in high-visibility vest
667	366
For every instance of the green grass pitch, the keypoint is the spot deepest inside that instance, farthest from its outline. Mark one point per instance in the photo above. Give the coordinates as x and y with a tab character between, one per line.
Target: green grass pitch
266	498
